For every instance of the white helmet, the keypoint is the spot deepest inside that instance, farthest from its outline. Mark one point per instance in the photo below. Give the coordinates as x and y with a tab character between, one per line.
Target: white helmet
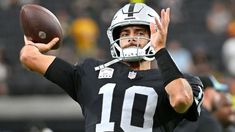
131	14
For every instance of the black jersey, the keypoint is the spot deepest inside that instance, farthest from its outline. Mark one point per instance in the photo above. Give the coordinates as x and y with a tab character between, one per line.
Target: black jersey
119	99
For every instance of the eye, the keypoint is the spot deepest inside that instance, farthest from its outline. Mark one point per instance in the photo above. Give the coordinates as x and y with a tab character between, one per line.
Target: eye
123	34
141	33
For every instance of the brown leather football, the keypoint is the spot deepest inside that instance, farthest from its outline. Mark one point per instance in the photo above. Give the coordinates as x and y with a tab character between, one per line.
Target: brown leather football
40	25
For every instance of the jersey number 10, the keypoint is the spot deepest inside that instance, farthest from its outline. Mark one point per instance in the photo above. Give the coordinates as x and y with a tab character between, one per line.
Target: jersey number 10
125	123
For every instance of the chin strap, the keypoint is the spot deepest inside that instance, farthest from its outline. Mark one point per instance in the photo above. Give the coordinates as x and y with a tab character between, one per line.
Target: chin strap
102	66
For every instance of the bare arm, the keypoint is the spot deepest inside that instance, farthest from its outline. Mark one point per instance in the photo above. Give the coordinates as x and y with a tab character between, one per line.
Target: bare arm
179	91
32	57
180	95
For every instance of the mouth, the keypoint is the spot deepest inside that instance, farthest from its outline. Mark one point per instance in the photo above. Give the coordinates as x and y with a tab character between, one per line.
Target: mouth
134	46
131	46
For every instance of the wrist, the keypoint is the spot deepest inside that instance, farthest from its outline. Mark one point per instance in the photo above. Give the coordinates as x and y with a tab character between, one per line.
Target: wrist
158	49
167	66
159	52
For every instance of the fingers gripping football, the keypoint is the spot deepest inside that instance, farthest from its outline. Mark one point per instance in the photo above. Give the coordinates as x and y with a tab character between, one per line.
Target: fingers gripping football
43	48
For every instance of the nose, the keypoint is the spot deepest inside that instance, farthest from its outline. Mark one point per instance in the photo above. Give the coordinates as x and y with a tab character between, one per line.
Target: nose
131	39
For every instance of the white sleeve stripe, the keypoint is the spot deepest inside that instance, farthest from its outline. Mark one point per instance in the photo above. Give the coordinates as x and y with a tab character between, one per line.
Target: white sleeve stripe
199	100
200	94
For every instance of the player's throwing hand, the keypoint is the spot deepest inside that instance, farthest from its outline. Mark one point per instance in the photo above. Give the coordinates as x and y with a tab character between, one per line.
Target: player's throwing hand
43	48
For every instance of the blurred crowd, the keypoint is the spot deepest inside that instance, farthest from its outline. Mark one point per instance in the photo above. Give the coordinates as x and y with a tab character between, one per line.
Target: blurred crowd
201	41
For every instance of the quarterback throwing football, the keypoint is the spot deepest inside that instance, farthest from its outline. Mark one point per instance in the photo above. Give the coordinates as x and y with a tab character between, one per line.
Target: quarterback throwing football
125	94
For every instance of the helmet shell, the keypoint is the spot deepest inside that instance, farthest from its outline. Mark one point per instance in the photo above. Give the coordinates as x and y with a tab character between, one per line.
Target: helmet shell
130	14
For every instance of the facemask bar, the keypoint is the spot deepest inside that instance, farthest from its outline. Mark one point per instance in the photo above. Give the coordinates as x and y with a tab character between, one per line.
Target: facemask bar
129	54
133	53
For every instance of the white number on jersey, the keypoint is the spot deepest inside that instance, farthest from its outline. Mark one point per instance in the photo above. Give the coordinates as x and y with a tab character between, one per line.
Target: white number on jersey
151	104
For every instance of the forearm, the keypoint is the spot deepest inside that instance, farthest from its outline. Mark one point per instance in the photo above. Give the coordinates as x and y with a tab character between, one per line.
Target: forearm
180	94
34	60
178	89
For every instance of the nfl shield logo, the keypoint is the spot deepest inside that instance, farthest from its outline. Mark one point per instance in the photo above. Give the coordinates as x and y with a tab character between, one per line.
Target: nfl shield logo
132	74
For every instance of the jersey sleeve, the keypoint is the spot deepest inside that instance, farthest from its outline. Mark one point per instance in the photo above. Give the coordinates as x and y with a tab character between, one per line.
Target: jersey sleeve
194	111
63	74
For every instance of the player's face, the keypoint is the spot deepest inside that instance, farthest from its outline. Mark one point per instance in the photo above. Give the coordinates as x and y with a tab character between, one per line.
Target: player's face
225	113
215	98
134	36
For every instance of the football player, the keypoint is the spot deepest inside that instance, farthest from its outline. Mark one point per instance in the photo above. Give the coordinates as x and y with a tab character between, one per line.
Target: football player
125	94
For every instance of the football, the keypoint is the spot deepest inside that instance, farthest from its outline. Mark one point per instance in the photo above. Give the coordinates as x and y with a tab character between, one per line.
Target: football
40	25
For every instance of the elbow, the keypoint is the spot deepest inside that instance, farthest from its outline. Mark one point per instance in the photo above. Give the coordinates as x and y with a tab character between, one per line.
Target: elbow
181	103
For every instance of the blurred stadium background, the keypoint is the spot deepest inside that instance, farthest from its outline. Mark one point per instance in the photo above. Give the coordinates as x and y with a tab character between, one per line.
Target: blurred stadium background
200	35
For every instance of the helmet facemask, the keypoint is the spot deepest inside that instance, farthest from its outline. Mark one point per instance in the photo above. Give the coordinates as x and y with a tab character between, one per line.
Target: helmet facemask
132	14
139	49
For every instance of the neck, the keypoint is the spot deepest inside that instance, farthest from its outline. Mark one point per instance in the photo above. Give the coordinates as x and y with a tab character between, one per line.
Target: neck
139	65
